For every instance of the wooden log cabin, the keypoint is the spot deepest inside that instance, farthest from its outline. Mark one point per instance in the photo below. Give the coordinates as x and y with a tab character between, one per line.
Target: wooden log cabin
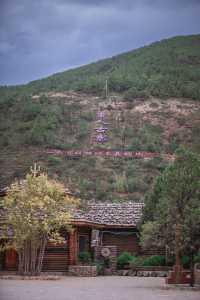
105	224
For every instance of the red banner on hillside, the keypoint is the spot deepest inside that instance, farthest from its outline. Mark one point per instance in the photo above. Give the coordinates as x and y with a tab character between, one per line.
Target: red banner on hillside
108	153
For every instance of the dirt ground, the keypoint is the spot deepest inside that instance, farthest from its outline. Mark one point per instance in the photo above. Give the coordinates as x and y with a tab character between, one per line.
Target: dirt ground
93	288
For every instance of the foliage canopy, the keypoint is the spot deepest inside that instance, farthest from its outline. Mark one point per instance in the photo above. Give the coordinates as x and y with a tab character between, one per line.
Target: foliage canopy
36	209
173	207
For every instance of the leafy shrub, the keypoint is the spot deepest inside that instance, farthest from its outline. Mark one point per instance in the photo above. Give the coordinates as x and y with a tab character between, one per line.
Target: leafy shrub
83	129
87	116
100	268
148	138
128	132
124	259
185	261
54	161
136	262
106	262
173	145
120	183
6	103
30	110
132	184
134	93
131	169
154	260
135	145
197	258
84	257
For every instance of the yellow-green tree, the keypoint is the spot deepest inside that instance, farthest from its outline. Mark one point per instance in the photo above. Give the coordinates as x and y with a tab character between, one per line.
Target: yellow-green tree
36	208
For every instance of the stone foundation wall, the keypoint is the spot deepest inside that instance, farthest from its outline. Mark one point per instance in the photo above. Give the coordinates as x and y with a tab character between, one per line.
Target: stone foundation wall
153	268
147	273
85	271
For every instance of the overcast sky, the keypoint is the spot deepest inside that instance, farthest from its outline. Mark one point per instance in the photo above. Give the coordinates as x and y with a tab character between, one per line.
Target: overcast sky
42	37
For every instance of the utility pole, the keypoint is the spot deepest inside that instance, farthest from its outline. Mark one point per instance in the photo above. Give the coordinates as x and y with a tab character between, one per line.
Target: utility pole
106	88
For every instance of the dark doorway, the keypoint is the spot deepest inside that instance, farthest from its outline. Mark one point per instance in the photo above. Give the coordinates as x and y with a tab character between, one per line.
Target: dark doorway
83	243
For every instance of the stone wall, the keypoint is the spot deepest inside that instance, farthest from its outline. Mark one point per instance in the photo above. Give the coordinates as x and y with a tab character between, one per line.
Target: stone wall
147	273
85	271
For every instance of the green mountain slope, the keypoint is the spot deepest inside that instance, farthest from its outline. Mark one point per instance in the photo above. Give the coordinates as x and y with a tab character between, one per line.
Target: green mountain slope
152	106
167	68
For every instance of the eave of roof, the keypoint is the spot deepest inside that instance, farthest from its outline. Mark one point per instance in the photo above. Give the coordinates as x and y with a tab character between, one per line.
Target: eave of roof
84	223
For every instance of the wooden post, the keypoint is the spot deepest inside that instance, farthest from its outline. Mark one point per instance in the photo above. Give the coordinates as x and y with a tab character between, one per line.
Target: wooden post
73	247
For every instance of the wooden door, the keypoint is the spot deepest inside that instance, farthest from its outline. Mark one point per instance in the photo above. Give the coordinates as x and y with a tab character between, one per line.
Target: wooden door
10	260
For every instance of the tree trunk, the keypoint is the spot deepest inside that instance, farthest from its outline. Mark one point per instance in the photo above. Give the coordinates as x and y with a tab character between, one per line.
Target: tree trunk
34	250
192	269
177	245
177	254
43	243
31	256
20	263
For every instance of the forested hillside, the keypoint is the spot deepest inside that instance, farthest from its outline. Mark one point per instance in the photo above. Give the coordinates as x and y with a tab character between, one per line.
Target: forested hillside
152	105
166	68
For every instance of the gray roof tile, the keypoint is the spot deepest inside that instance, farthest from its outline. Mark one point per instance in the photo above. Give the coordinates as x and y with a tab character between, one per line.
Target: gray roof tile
124	214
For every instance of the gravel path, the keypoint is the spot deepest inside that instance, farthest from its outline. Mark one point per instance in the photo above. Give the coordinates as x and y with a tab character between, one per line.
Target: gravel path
93	288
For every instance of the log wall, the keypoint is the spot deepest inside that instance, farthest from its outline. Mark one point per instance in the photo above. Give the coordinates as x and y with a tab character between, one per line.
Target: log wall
129	243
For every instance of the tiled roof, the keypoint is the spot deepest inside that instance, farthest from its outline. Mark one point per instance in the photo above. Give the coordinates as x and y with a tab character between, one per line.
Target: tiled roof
117	214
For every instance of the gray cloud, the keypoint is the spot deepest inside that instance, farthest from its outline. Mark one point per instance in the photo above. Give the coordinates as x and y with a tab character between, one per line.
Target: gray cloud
38	38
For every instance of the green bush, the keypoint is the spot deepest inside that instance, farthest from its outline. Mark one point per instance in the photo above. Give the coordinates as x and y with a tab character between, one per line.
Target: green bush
83	129
124	259
154	260
54	161
30	110
197	258
173	145
120	183
106	262
100	268
87	116
185	261
132	184
136	262
133	93
84	257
